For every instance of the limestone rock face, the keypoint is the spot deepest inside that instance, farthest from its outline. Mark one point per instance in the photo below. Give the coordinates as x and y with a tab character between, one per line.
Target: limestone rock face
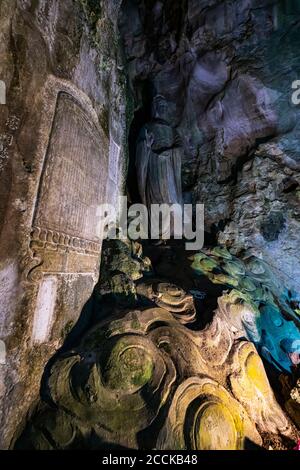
127	371
175	354
170	297
62	134
257	306
149	376
220	74
291	392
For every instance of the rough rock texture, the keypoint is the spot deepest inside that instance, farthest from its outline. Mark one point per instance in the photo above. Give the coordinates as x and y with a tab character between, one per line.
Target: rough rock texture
258	306
211	122
62	135
151	377
213	82
122	264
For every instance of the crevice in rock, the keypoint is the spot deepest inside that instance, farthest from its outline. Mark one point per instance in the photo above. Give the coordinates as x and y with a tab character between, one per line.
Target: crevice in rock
141	116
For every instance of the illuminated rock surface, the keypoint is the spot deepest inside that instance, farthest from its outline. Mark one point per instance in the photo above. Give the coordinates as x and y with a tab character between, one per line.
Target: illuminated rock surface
168	349
148	377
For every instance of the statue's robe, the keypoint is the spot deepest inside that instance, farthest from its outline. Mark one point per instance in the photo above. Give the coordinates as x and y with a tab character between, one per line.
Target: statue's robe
158	164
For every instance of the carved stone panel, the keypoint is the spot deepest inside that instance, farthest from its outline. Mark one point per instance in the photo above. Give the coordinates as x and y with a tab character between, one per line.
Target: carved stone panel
72	187
44	311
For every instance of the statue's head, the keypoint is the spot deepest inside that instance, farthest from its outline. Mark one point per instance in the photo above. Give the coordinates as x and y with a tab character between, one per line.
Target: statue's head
162	109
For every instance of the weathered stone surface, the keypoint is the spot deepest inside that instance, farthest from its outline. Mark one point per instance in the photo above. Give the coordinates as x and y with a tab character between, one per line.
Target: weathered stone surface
156	366
291	394
158	166
264	217
171	298
173	361
220	75
127	370
257	306
63	111
122	264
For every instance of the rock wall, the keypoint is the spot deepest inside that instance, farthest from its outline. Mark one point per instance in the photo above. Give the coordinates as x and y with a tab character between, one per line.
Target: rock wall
210	86
176	366
218	76
62	135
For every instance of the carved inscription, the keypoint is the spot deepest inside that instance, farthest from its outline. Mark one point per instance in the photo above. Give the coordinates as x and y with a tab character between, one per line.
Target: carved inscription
74	177
72	186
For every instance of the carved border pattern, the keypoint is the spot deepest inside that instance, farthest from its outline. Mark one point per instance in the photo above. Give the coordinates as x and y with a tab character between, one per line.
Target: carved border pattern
49	239
42	239
31	264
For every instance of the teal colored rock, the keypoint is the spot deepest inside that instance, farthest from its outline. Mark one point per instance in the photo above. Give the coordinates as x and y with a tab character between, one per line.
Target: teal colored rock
274	329
204	264
246	284
280	338
234	268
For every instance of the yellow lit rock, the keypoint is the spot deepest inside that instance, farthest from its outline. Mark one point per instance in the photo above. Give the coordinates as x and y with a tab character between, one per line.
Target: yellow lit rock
203	416
250	385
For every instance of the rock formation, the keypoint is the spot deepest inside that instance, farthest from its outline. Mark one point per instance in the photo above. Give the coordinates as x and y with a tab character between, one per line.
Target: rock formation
125	344
220	73
62	134
147	369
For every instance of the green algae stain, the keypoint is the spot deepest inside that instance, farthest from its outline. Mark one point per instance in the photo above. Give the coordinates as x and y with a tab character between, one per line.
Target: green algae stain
128	367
